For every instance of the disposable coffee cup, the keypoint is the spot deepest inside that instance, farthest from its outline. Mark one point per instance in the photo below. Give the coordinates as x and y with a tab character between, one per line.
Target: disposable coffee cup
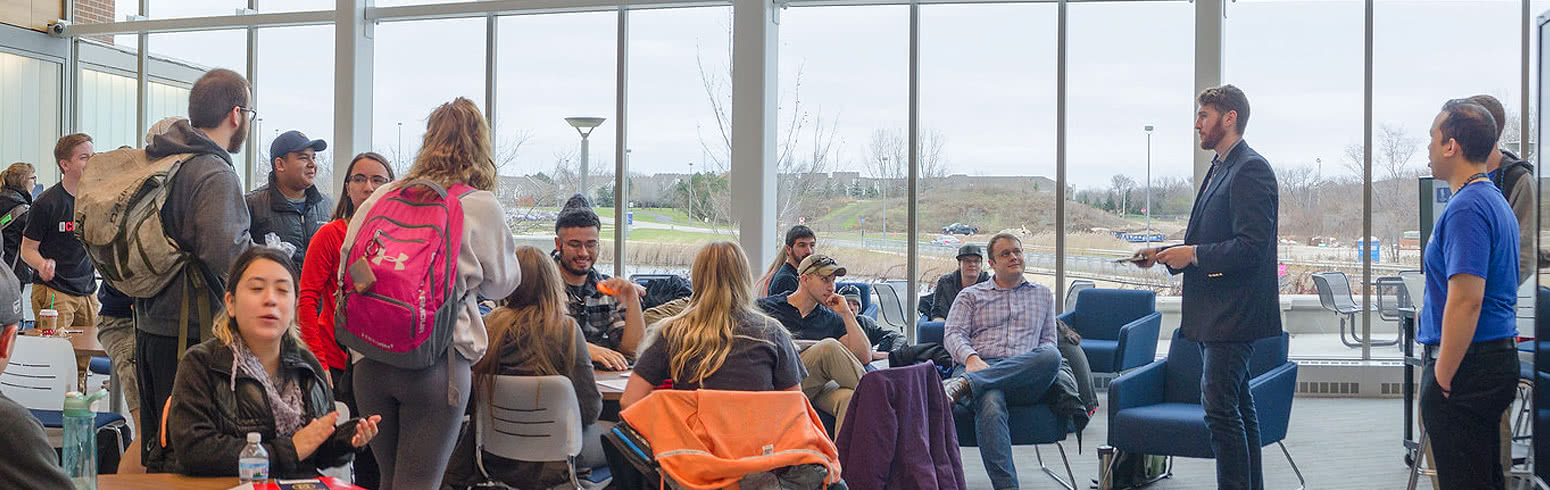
48	320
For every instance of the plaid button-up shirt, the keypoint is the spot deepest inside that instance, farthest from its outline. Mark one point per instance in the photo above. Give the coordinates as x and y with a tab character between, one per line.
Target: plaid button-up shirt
600	316
997	322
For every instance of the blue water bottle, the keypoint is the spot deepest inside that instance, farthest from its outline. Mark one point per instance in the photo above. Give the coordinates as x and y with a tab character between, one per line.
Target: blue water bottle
80	439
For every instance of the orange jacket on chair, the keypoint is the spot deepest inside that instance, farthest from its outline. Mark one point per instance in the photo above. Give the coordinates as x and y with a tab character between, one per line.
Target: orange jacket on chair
709	439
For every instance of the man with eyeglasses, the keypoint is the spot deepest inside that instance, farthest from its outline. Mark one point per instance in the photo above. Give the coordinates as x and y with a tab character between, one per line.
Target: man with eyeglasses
290	206
1001	334
612	323
834	347
205	214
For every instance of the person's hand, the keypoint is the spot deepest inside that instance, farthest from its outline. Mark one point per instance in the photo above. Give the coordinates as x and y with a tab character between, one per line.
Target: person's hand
1177	257
974	363
609	359
314	434
1150	256
46	273
1445	384
365	430
837	303
624	289
879	356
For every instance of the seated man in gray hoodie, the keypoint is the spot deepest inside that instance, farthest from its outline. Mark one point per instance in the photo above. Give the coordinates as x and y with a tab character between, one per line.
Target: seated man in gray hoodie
206	216
27	461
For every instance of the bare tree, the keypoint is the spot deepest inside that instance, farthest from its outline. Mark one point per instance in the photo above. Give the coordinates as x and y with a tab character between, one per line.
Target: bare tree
509	148
1394	149
1121	185
888	156
807	151
1512	134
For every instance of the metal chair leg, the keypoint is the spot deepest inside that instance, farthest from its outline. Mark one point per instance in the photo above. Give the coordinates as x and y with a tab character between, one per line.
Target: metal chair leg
1419	460
1070	482
1301	483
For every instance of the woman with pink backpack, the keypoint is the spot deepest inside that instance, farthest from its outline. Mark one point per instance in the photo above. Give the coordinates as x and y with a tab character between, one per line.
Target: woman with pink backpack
417	255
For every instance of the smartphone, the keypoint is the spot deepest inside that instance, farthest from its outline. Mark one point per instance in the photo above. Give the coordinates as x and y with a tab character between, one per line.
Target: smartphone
347	429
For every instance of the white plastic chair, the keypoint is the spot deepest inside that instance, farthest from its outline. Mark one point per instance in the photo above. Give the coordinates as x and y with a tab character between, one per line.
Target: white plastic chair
529	418
41	371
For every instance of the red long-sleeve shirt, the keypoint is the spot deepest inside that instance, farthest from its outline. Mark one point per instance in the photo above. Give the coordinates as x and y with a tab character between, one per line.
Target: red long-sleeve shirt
315	306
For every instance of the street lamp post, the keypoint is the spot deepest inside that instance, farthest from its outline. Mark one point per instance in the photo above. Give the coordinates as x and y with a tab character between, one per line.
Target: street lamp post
584	127
400	149
1148	185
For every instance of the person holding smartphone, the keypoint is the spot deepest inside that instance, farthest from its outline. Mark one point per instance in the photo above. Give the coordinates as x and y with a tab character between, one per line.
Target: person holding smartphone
257	363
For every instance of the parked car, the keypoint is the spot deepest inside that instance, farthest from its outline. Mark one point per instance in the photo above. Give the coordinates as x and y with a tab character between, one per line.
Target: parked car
960	229
947	241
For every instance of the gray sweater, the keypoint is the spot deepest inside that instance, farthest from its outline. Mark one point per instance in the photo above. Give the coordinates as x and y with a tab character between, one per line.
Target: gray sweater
206	215
26	460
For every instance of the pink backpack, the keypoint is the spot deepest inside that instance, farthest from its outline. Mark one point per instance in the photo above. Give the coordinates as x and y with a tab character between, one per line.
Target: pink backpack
398	297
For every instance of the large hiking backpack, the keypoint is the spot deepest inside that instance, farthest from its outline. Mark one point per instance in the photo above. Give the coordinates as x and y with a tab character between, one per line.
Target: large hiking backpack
398	297
118	220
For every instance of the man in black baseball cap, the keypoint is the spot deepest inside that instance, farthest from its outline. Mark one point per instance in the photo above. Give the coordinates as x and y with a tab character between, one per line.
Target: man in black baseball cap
971	260
290	206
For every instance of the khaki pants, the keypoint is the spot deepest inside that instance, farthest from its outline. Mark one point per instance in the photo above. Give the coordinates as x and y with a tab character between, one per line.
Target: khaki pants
832	376
117	336
74	311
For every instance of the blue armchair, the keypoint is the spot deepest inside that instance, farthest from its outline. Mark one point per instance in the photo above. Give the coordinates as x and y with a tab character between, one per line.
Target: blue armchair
1030	423
1119	327
868	308
1156	409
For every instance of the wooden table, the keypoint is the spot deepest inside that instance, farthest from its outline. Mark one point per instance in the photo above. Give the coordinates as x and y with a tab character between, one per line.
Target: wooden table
163	481
610	393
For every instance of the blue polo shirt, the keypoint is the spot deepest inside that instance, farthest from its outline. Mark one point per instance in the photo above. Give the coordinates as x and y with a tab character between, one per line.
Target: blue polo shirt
1476	235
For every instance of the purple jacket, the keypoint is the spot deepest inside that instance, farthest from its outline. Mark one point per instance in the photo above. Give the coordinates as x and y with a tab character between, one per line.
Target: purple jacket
901	433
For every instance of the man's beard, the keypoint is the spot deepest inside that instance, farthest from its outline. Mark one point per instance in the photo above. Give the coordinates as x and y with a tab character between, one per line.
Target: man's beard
565	264
237	138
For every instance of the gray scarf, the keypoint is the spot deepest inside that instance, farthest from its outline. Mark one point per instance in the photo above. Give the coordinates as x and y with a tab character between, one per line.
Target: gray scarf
285	401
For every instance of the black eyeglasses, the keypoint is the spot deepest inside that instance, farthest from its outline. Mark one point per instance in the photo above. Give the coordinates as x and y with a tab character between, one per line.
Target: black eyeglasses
252	114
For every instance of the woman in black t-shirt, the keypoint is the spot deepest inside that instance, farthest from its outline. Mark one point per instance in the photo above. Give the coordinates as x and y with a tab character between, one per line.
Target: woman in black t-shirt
721	341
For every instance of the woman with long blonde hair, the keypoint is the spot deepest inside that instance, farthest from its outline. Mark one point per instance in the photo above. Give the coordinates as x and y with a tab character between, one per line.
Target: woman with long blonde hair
721	341
769	273
423	408
532	334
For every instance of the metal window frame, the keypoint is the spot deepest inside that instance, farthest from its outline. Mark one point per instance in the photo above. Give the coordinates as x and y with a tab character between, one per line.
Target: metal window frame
753	96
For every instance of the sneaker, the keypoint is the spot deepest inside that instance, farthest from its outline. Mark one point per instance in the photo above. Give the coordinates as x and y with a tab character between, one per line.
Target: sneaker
957	388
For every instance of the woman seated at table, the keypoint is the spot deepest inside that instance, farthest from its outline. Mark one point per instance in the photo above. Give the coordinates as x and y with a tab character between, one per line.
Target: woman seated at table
257	376
721	341
532	335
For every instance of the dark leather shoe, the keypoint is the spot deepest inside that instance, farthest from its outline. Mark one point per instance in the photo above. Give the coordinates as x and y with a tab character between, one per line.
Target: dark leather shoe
956	388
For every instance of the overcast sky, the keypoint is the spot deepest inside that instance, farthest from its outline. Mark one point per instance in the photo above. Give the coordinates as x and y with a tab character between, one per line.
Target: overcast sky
987	73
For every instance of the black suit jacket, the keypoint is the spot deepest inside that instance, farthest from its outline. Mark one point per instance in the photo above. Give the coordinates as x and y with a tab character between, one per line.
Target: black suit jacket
1231	293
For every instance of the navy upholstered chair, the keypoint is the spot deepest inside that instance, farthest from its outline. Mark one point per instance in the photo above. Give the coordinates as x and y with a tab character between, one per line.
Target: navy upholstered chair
1156	409
1119	327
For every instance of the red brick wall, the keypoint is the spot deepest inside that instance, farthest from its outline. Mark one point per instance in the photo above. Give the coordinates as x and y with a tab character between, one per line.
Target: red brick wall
96	12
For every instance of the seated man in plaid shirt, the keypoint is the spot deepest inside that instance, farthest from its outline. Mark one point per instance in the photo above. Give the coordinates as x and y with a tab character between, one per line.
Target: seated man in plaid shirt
1001	334
613	324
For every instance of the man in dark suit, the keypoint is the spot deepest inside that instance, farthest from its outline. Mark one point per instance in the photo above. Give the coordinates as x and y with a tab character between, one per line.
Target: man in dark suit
1230	291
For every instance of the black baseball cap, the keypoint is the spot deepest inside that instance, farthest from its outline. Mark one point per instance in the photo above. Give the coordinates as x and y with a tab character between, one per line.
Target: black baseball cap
293	140
970	251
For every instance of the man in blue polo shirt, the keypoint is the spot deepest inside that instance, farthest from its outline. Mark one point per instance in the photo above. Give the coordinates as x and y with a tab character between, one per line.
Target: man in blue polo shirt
814	312
1467	327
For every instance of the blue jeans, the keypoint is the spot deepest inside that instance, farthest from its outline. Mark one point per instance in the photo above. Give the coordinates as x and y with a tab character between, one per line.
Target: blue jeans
1230	415
1020	379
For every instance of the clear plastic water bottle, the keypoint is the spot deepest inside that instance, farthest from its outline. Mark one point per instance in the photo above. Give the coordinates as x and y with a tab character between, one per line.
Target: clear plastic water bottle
253	462
80	439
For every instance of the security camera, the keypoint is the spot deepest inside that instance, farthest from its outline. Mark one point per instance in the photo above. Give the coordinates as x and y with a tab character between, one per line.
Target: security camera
57	27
